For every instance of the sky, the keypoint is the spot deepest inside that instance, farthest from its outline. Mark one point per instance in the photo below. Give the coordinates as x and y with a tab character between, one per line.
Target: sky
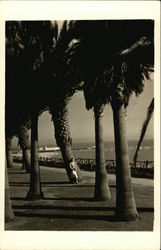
82	121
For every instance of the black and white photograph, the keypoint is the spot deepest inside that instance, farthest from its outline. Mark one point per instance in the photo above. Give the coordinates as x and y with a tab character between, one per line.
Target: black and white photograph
80	128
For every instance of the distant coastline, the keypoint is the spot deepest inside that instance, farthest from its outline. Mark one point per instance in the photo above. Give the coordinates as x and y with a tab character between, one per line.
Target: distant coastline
87	150
77	142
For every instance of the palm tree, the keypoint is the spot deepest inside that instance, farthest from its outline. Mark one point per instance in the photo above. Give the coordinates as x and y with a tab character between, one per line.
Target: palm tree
102	191
125	202
38	41
25	146
123	70
63	137
65	86
35	191
8	206
144	128
137	62
86	58
9	151
47	64
23	54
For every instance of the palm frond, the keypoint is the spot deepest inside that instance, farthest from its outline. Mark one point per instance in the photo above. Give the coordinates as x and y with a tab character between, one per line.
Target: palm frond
140	53
104	44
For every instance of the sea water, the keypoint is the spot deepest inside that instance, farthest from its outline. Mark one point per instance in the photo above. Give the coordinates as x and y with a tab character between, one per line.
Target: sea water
87	151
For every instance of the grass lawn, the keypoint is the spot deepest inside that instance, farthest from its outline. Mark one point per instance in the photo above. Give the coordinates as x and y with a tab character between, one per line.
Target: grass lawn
70	207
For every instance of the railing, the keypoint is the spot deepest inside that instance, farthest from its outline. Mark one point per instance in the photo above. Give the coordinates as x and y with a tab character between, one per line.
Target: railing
143	169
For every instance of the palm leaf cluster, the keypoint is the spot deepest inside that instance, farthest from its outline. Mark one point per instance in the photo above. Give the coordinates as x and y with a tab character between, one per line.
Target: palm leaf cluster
115	57
112	51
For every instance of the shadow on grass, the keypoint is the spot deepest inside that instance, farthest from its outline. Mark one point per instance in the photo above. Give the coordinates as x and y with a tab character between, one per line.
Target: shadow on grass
57	199
67	216
112	186
27	184
17	173
65	184
71	199
145	209
51	184
18	198
110	218
86	199
54	184
44	184
76	208
63	208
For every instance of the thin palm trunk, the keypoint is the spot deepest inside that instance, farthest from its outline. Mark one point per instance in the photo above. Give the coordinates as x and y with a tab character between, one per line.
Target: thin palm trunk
102	191
9	152
26	160
35	191
63	138
9	216
25	146
23	163
144	128
125	202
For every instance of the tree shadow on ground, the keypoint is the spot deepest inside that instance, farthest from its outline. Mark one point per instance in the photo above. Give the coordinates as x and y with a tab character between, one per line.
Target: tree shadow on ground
145	209
44	184
56	199
66	184
56	184
110	218
75	208
18	198
70	199
17	172
67	216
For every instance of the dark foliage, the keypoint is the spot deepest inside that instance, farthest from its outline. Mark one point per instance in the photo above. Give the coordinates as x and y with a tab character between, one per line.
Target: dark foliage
99	55
28	46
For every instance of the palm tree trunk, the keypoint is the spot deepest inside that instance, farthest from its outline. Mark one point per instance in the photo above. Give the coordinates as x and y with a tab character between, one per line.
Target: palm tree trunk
125	202
9	152
8	206
67	155
144	128
23	163
35	191
63	137
102	191
25	146
26	160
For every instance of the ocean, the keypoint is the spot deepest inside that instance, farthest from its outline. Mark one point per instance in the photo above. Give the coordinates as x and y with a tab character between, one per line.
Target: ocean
87	151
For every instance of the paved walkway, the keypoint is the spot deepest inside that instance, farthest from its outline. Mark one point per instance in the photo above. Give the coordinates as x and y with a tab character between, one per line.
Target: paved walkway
71	207
139	181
